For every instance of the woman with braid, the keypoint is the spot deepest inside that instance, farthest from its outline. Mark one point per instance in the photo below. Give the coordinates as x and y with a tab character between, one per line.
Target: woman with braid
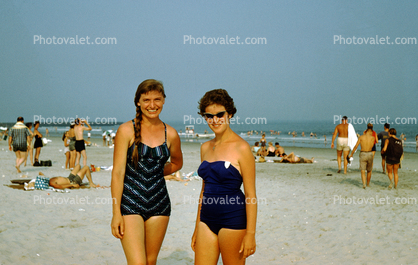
141	206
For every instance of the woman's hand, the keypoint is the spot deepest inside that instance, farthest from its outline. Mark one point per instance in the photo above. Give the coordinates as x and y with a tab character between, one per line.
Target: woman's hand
248	246
118	226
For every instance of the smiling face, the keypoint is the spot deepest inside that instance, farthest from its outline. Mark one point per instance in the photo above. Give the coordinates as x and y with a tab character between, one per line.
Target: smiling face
217	124
151	104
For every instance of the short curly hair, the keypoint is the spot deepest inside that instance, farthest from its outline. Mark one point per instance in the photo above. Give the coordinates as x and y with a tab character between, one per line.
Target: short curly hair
217	96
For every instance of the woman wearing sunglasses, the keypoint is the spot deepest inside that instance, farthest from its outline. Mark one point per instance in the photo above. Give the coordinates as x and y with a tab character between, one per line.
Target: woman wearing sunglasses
226	218
141	206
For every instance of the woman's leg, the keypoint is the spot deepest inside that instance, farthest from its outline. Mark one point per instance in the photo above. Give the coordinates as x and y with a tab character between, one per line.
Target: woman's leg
77	158
133	241
389	169
206	247
230	243
155	229
395	173
67	160
37	153
72	158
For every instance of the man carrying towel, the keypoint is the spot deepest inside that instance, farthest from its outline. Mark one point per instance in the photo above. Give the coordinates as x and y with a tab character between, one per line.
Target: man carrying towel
342	143
19	138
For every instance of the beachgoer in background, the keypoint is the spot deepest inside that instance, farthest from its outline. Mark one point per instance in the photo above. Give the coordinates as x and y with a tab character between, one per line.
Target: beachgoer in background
71	145
46	132
80	146
226	163
292	158
255	148
19	136
66	149
374	134
416	140
112	136
271	150
30	148
141	207
279	150
394	151
341	130
108	138
382	136
367	141
263	141
38	143
175	176
88	136
262	151
104	138
74	180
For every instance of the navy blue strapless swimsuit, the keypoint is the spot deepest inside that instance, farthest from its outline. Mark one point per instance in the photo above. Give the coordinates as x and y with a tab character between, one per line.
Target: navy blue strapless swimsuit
144	189
223	202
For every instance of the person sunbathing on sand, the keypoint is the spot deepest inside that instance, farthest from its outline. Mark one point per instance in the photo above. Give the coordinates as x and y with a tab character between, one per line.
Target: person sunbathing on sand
74	180
292	158
175	176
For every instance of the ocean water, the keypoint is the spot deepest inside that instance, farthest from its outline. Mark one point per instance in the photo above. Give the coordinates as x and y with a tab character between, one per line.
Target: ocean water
320	128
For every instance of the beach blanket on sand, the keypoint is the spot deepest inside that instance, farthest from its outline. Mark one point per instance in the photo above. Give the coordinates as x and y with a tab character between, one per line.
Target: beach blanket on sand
352	137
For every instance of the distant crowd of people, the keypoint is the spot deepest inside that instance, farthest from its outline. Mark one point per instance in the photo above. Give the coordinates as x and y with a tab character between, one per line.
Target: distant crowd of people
24	143
260	149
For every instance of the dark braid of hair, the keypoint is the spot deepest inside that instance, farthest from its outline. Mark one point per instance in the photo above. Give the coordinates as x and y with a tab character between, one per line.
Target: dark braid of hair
137	140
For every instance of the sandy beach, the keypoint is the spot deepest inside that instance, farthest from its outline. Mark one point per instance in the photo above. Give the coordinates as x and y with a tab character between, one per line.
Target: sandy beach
307	214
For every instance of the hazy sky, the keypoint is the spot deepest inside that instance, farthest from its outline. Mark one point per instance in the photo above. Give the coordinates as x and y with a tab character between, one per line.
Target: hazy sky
299	74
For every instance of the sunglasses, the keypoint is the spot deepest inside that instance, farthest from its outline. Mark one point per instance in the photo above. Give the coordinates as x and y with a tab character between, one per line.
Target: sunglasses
211	116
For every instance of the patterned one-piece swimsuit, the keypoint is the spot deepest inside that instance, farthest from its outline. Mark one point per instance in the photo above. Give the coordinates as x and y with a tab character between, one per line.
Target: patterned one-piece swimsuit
144	190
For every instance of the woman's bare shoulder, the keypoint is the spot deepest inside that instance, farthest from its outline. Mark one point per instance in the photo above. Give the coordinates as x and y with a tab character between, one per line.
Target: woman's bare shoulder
126	128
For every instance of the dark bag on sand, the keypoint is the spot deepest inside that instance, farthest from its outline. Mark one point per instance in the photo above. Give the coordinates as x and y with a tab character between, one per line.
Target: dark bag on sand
46	163
36	164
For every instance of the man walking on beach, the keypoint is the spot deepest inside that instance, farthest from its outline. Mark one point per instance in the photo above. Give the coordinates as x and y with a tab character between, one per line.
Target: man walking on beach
366	141
342	143
19	137
80	147
382	136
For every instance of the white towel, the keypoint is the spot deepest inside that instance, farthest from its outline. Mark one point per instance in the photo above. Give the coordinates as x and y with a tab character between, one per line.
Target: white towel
352	136
19	125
